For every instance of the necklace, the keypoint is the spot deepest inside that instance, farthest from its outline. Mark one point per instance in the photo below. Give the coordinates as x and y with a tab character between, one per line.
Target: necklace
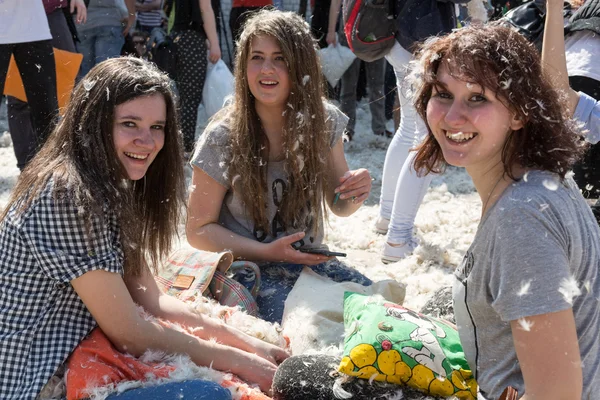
484	209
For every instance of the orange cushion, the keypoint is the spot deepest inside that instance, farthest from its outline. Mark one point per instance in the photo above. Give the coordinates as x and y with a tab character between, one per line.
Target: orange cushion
97	363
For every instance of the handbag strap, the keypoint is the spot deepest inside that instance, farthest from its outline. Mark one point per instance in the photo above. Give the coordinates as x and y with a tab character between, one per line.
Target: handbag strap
237	266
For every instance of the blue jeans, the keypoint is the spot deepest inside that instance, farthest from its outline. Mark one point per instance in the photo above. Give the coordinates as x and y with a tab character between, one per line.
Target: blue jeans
278	279
99	44
188	390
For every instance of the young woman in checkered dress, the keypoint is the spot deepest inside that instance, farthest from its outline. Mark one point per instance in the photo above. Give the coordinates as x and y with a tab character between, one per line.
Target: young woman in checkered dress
88	221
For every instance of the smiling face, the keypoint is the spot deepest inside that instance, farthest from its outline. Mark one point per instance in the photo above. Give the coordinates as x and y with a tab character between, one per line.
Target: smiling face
267	72
470	123
139	133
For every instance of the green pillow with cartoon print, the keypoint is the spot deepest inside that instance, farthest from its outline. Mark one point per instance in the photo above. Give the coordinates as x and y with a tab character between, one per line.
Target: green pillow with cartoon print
387	342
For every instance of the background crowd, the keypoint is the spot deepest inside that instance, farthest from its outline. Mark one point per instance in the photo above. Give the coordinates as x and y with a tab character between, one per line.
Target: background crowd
102	29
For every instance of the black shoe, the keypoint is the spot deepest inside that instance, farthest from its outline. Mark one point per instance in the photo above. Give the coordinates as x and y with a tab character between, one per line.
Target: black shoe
386	133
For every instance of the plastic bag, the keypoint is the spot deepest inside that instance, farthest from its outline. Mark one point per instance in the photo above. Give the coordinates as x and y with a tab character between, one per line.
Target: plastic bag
217	86
335	60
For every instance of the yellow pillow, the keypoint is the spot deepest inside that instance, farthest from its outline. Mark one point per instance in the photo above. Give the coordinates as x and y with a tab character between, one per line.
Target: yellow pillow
387	342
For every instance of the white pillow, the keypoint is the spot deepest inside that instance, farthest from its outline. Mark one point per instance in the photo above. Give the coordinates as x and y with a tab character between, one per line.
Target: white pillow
313	317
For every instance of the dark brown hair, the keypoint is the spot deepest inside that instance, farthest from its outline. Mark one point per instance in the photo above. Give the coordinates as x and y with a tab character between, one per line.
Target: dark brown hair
81	159
305	132
505	63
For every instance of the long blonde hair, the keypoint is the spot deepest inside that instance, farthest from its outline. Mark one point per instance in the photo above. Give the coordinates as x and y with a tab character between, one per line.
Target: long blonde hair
305	133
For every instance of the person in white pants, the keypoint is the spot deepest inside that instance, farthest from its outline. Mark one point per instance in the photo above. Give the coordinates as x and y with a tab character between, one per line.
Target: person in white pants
402	191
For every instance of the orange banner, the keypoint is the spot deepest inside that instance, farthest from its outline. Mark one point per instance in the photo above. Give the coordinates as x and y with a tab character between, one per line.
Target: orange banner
67	67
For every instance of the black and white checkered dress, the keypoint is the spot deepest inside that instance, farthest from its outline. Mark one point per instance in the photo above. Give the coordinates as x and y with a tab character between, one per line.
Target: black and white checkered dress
42	319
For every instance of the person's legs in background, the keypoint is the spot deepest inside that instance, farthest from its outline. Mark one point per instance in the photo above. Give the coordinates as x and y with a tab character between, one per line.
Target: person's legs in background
87	47
319	23
5	53
19	113
188	390
235	23
402	191
109	42
237	17
375	83
389	88
348	95
99	44
21	130
191	72
396	112
36	64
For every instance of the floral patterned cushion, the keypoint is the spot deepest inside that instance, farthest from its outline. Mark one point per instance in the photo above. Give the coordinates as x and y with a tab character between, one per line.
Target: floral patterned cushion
387	342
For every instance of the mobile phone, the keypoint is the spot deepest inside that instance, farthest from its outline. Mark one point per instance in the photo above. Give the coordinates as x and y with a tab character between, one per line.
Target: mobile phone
323	252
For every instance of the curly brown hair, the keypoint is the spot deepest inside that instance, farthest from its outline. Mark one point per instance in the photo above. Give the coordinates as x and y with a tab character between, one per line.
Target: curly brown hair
81	158
305	139
502	61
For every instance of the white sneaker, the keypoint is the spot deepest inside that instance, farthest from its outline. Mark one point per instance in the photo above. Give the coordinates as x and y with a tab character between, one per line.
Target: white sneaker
395	253
381	225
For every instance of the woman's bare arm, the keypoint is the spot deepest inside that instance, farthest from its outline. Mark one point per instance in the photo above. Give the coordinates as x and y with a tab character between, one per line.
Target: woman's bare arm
554	60
548	353
353	186
109	301
210	27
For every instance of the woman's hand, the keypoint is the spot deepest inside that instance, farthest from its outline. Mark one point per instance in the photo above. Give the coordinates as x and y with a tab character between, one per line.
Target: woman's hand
79	6
269	352
214	53
128	24
331	38
281	250
355	185
255	369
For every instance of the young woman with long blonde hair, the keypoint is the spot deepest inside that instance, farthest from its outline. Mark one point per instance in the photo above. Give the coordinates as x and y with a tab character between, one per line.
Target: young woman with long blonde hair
269	163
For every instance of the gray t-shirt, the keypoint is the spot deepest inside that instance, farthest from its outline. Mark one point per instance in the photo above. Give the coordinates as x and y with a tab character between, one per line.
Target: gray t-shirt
212	155
539	237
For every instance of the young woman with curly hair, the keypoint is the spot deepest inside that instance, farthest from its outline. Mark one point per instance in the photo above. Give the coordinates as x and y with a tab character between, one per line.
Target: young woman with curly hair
269	163
526	294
